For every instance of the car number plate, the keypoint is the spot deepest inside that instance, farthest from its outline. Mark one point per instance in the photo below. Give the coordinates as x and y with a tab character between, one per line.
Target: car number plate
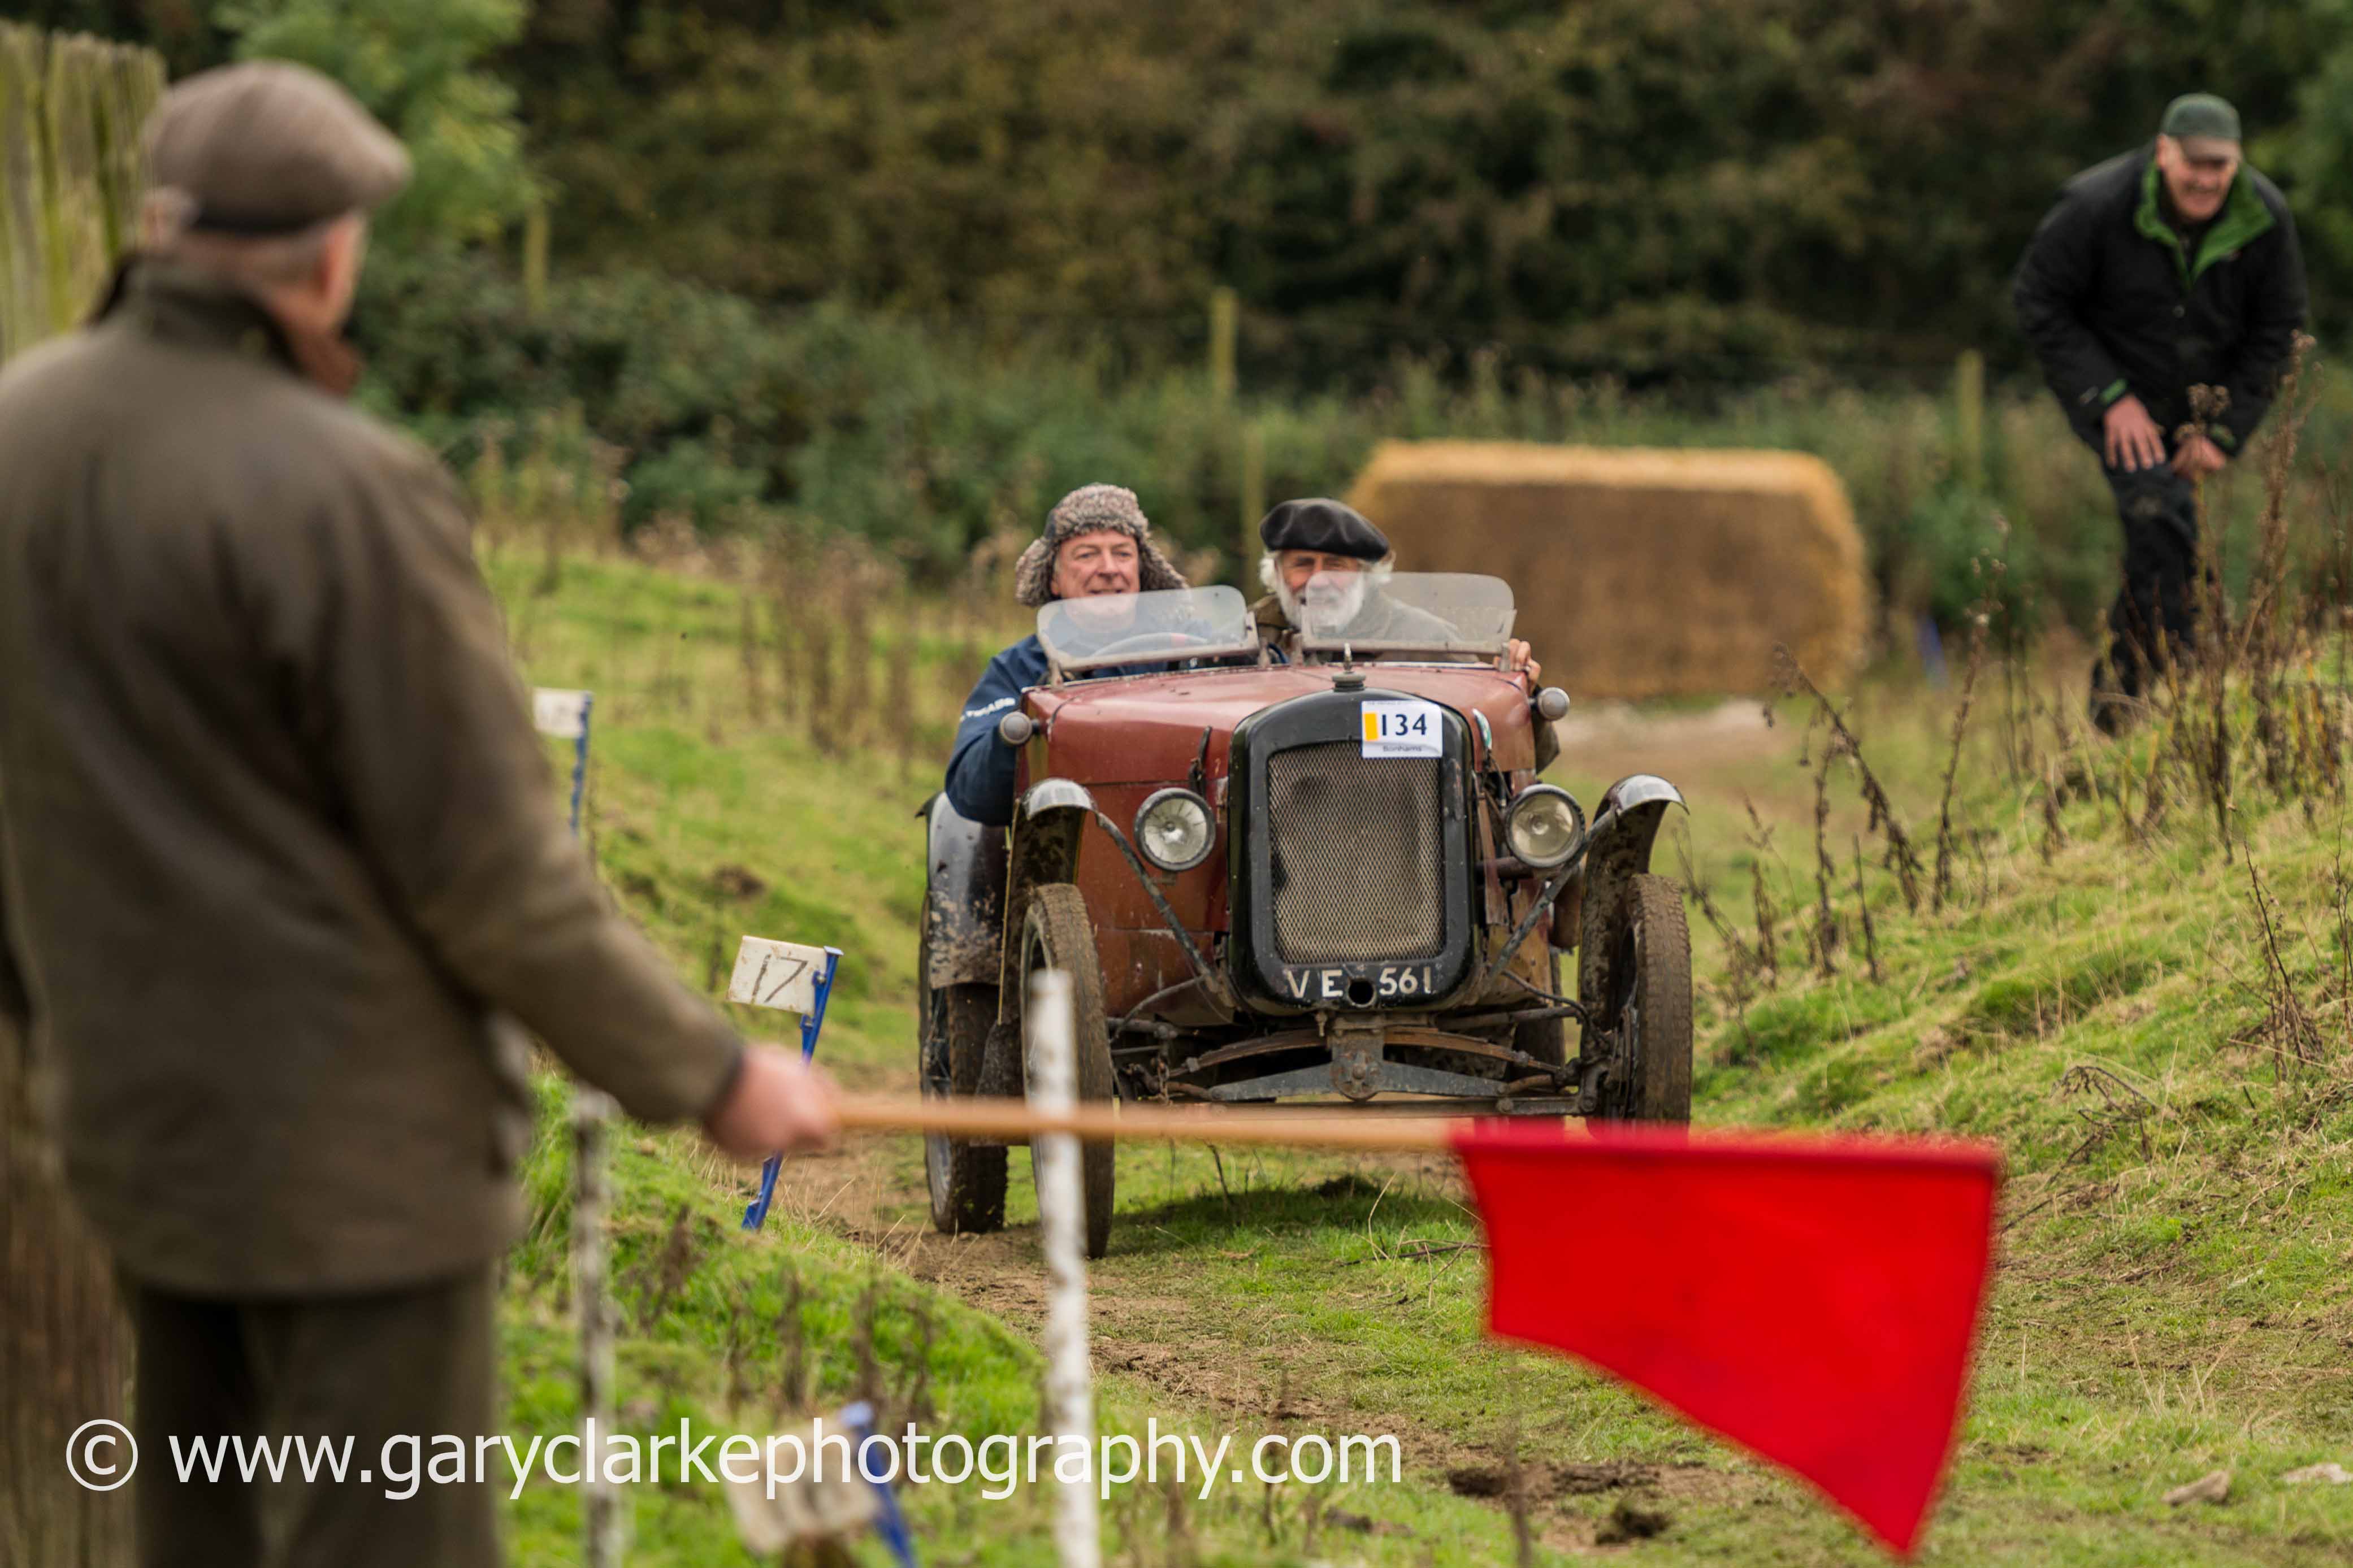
1409	729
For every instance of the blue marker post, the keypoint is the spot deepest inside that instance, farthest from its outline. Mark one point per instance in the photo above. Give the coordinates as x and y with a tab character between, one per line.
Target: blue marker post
889	1523
811	1021
565	716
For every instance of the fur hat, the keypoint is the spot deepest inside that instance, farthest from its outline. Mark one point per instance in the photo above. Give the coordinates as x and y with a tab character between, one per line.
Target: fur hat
1092	508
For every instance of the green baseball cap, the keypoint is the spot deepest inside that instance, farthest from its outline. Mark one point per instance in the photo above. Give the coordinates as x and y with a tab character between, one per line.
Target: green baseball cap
2200	114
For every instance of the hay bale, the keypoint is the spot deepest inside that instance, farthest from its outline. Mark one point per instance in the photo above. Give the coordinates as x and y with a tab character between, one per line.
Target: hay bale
1638	572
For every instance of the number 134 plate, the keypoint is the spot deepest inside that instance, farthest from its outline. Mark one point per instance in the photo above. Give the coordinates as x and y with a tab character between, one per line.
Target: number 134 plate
1401	729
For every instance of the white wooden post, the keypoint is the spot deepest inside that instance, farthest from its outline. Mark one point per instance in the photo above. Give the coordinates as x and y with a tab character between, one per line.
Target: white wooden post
1062	1217
565	715
593	1111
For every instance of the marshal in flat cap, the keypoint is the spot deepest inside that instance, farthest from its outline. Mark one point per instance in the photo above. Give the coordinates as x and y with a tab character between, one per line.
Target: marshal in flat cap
270	148
1327	526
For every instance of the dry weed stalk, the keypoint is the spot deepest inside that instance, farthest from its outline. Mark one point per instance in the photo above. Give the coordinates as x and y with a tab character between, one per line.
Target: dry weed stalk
1869	932
793	1376
1825	920
1901	858
2288	1018
1769	937
672	1267
1944	885
2214	651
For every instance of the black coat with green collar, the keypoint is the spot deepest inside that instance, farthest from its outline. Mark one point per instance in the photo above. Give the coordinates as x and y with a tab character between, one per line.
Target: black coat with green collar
2113	302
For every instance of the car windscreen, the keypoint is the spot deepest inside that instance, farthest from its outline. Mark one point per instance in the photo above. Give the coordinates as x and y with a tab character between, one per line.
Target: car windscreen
1443	614
1146	628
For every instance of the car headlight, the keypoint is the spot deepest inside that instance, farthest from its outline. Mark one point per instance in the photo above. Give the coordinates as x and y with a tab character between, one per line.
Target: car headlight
1175	830
1543	825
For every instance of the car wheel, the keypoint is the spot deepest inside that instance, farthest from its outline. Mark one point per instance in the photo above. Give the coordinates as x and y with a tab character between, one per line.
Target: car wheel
966	1183
1057	934
1645	1022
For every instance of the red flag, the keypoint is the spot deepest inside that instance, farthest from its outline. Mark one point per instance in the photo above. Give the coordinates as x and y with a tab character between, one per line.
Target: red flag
1814	1299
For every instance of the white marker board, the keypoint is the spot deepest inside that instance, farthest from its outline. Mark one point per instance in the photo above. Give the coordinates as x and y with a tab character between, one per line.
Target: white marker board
563	714
779	974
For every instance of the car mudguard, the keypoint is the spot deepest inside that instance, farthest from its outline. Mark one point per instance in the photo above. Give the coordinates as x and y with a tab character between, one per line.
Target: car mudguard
1046	823
1624	828
963	906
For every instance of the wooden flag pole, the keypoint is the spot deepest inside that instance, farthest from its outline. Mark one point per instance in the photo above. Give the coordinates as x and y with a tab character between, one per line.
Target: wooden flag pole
1343	1127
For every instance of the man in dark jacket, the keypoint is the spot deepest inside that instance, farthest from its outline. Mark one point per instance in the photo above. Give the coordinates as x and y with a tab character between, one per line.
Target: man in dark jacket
1097	540
278	844
2168	267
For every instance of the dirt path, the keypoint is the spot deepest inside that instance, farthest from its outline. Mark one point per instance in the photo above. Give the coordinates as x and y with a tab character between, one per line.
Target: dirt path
1145	1325
1178	1345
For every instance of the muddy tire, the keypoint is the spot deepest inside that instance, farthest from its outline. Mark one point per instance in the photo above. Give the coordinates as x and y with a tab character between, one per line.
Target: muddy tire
1644	1023
967	1183
1058	934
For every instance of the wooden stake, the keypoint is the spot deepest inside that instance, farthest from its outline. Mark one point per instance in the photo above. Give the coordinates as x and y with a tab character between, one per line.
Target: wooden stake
1062	1219
592	1119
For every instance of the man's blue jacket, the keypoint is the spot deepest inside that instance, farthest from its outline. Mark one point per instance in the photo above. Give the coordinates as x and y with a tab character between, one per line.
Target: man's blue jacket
980	769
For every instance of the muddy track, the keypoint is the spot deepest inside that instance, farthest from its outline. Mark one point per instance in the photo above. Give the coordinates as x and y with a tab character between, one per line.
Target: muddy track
870	1194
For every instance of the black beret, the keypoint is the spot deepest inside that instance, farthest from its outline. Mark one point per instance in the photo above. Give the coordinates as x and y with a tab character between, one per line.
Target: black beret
1326	526
266	147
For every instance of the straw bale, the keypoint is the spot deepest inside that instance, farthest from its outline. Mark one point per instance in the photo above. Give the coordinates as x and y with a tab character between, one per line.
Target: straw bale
1639	573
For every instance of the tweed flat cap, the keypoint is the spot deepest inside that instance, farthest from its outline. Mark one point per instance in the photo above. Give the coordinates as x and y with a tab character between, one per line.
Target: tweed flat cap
1330	527
1093	509
268	148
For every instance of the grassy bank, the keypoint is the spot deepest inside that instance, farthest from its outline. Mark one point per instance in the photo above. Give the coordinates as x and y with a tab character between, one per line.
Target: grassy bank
2162	1051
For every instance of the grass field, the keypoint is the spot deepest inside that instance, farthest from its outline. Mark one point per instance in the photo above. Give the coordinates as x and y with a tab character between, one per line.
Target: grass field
2167	1062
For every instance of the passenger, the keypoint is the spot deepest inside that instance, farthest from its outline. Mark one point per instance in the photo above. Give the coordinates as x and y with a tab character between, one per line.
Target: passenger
1324	565
1097	542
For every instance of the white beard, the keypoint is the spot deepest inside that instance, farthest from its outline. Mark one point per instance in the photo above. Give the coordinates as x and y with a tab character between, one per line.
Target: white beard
1331	600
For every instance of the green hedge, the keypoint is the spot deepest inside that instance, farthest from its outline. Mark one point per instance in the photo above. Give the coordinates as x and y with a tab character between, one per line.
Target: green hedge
923	439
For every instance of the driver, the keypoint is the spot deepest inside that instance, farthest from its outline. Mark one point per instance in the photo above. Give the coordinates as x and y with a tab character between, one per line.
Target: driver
1324	565
1097	540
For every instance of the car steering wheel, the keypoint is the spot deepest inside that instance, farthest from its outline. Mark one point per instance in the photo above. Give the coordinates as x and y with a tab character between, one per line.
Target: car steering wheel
1178	639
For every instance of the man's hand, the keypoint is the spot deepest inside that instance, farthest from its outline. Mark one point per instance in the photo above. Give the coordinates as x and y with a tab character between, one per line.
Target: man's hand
2197	457
2134	441
1516	655
778	1104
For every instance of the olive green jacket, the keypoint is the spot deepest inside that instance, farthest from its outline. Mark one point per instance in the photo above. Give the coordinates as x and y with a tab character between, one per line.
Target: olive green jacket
277	841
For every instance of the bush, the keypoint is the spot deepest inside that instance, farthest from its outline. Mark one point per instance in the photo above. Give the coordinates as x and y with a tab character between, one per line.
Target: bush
923	439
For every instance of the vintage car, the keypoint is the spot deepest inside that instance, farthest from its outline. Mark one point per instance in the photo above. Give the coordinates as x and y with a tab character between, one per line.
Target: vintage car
1325	871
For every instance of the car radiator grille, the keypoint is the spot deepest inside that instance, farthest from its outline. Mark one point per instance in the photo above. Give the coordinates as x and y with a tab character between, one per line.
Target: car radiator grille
1358	861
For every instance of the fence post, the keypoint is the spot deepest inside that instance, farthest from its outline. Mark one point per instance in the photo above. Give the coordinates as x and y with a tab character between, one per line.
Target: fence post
535	256
23	190
70	173
66	1352
1225	326
1254	494
1968	417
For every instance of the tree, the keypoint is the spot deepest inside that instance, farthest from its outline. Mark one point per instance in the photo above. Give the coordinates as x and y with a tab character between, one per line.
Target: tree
417	67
